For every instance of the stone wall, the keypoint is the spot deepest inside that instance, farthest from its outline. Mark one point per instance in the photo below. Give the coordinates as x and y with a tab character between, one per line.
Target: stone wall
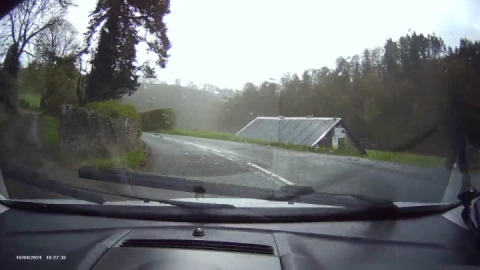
84	132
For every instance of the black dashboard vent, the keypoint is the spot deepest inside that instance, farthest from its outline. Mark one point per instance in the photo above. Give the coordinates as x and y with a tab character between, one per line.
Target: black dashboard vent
199	244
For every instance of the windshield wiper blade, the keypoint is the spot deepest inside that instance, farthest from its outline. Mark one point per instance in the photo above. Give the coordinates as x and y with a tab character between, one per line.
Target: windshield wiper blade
30	177
301	194
306	194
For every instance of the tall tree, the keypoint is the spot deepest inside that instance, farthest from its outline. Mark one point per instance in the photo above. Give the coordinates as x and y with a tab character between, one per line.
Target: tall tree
391	57
123	24
437	46
55	51
59	40
58	79
367	64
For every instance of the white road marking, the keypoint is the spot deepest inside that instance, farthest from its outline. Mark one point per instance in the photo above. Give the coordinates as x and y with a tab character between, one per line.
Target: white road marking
220	153
278	177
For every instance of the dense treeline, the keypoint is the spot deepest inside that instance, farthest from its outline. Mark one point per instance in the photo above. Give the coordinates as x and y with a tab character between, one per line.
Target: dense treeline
391	97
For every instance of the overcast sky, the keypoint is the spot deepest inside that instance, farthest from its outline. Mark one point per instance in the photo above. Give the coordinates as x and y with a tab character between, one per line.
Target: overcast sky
230	42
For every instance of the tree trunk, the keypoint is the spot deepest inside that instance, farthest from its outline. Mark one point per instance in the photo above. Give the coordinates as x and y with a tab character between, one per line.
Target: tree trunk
11	66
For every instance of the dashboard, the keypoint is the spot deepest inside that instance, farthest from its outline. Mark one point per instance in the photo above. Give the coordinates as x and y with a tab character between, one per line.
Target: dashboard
43	240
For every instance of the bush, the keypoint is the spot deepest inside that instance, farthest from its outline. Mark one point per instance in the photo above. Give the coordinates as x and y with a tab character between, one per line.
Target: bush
163	119
114	109
53	104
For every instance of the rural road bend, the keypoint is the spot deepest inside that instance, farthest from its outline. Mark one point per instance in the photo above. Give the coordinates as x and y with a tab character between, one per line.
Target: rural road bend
269	167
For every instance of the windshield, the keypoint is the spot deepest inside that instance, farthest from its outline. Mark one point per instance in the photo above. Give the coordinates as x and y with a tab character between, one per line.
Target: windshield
176	99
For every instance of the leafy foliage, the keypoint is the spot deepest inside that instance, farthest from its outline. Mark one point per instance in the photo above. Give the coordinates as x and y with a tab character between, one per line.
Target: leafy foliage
114	109
148	71
155	120
55	78
53	104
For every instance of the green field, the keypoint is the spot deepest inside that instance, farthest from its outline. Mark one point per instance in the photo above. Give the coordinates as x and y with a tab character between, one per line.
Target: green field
395	157
30	101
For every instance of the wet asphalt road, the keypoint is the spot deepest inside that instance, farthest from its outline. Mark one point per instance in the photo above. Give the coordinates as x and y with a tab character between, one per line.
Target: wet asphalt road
269	167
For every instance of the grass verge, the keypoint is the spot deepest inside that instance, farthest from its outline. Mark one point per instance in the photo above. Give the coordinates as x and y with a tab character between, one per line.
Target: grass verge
132	159
49	131
231	137
204	134
396	157
406	158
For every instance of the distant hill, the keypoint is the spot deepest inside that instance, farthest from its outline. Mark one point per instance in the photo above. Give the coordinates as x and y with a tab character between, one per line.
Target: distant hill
194	109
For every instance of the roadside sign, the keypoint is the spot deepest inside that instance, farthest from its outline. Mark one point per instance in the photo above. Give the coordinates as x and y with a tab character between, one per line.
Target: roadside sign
340	132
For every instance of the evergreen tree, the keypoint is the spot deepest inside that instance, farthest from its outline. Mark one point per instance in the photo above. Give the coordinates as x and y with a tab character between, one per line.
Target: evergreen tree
114	73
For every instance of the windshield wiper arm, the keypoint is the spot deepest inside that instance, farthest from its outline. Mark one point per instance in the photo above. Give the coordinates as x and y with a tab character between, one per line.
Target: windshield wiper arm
31	178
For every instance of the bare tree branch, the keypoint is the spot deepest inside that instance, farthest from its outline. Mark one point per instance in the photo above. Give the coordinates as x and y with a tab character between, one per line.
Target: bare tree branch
57	41
31	54
29	19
